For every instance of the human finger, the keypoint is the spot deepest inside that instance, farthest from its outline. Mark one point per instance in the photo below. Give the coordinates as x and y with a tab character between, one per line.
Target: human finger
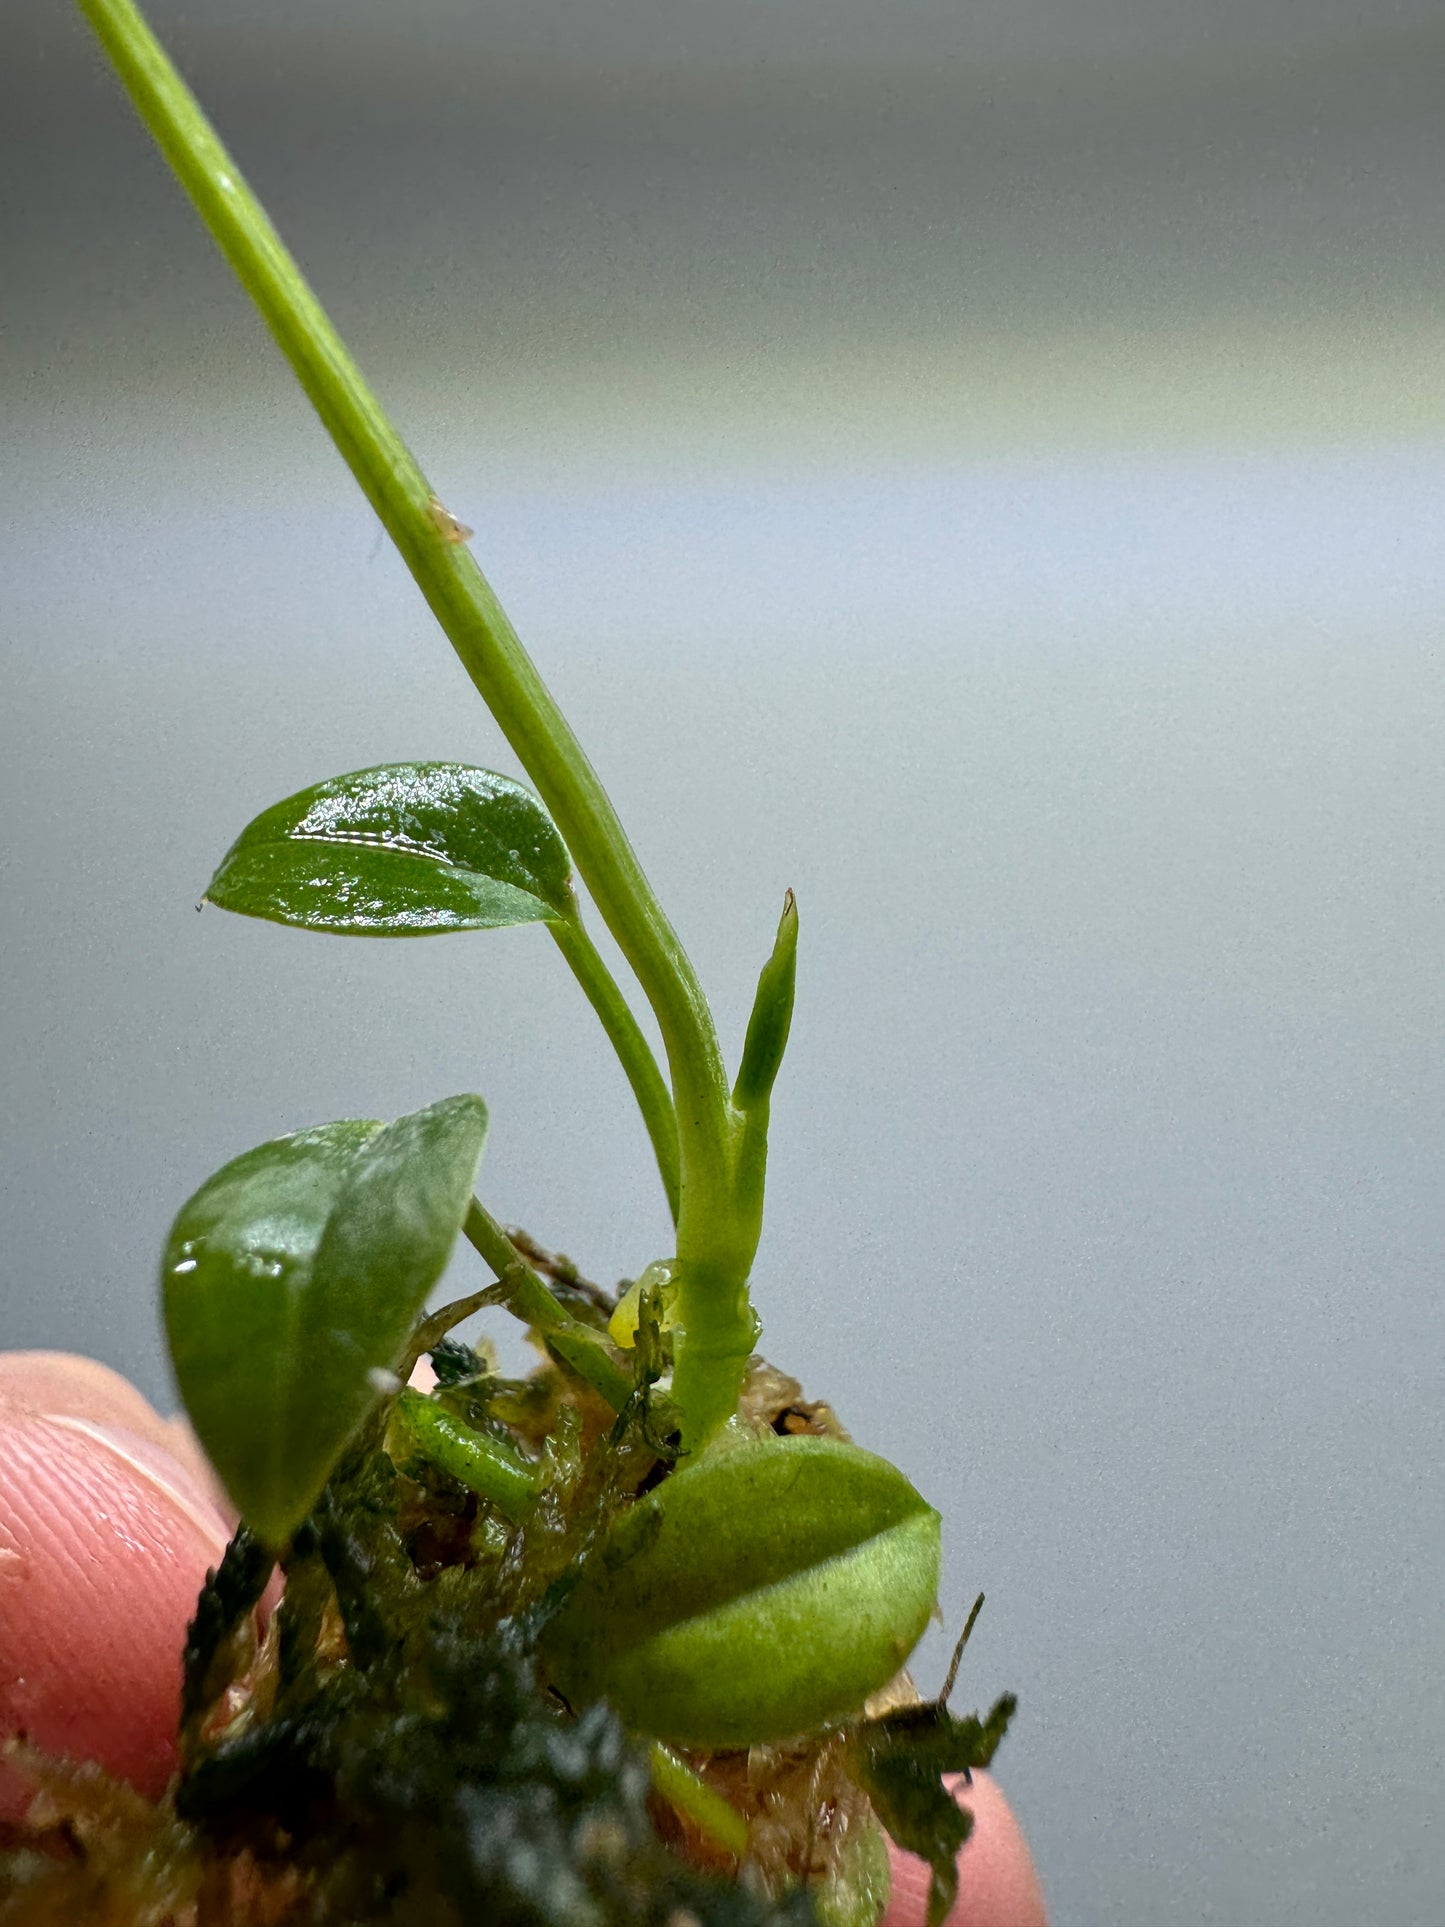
106	1535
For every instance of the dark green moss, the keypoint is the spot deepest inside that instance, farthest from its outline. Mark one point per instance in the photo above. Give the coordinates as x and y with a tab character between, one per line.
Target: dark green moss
413	1767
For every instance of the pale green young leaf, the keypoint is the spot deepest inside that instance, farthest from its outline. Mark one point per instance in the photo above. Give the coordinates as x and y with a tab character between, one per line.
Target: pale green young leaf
753	1595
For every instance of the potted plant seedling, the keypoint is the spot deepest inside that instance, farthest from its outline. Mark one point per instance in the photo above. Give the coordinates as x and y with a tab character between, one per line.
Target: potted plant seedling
622	1640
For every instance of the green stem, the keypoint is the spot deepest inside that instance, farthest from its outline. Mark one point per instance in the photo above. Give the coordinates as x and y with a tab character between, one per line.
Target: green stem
653	1098
691	1795
483	1465
719	1332
710	1239
529	1299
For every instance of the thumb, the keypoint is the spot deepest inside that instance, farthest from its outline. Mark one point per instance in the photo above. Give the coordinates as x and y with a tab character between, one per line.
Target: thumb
106	1535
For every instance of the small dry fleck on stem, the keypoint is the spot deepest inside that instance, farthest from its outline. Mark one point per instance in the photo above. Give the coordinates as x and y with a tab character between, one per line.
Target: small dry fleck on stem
448	526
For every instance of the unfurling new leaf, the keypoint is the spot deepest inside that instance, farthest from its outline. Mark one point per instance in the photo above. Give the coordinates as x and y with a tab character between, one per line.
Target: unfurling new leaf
752	1596
772	1015
291	1283
405	850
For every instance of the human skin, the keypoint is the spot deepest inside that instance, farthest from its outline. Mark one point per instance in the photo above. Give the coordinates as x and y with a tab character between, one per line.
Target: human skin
108	1523
107	1527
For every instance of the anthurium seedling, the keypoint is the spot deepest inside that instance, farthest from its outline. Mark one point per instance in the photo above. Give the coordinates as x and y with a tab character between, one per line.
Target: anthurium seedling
558	1649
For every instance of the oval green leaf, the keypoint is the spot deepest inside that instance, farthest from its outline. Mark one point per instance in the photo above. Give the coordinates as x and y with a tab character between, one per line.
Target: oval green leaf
291	1283
405	850
752	1596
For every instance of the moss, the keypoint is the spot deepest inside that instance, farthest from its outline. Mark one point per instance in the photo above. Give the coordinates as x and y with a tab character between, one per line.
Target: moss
390	1753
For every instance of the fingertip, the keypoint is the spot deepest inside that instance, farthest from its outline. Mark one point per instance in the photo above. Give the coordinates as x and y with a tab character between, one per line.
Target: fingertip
64	1385
423	1375
105	1540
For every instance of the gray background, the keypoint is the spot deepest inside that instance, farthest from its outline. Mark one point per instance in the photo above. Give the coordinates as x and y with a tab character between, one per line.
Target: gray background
980	466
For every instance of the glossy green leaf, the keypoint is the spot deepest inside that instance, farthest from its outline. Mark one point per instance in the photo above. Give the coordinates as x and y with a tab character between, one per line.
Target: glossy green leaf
752	1596
291	1282
406	850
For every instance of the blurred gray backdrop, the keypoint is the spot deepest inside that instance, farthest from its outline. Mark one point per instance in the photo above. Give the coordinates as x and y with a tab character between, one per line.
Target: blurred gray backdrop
982	466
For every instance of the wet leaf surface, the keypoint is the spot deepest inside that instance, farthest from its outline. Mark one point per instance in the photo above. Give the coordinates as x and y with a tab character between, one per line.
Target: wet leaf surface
292	1280
403	850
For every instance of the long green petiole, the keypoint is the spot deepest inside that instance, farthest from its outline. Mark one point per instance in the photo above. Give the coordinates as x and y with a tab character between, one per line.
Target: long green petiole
654	1099
718	1220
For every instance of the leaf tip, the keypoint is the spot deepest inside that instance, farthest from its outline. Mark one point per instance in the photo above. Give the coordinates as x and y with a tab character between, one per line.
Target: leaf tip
772	1014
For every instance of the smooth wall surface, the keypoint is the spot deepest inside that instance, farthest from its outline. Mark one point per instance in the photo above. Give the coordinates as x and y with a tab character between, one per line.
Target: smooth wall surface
982	468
